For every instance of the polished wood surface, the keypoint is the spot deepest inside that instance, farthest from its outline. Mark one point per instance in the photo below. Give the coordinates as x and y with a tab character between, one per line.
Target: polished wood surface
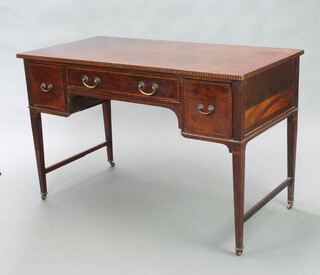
264	100
47	74
219	93
227	62
109	81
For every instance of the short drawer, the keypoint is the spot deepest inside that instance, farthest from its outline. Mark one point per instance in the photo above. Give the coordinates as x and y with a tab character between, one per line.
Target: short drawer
207	108
160	88
46	86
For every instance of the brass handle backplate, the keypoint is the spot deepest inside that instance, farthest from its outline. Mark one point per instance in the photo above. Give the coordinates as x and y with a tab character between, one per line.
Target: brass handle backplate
85	81
154	87
44	88
201	107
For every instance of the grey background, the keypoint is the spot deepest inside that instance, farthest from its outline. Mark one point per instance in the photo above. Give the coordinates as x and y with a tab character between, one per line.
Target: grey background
166	208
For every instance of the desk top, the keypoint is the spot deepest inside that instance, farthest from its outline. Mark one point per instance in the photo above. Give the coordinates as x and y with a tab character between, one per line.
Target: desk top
198	59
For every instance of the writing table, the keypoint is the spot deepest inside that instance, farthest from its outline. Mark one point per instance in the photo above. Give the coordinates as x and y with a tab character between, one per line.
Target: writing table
219	93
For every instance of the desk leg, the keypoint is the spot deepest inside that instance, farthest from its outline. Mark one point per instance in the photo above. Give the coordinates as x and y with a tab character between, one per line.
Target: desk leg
292	144
106	109
38	146
238	159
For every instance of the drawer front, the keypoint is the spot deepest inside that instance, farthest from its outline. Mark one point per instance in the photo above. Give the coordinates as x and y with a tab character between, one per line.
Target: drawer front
130	84
208	108
46	87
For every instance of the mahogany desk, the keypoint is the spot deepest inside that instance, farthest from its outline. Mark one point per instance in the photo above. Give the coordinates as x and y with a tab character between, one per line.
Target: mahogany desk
220	93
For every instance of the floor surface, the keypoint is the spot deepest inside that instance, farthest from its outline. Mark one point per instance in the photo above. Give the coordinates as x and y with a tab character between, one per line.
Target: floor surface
165	208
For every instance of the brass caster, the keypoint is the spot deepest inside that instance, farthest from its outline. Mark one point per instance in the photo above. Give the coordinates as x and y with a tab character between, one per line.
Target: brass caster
290	204
112	163
239	251
44	196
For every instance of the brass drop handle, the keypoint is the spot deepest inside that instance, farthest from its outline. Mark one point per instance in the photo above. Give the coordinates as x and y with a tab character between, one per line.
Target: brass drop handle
44	88
85	81
201	107
154	87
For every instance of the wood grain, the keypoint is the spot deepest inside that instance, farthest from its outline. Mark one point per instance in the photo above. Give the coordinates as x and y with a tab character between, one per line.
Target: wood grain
226	62
269	94
218	123
125	83
47	74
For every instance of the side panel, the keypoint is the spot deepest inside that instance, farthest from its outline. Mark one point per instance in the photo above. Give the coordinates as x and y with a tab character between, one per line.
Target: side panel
269	94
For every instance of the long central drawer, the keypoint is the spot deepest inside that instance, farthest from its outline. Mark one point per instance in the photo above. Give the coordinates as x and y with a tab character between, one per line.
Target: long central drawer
161	88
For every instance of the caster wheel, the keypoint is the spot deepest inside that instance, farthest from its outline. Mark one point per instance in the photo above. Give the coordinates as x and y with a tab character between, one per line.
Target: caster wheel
239	251
290	204
43	196
112	163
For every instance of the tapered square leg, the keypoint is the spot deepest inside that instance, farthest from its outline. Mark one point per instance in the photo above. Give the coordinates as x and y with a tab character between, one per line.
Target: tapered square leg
106	109
39	150
238	159
292	145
